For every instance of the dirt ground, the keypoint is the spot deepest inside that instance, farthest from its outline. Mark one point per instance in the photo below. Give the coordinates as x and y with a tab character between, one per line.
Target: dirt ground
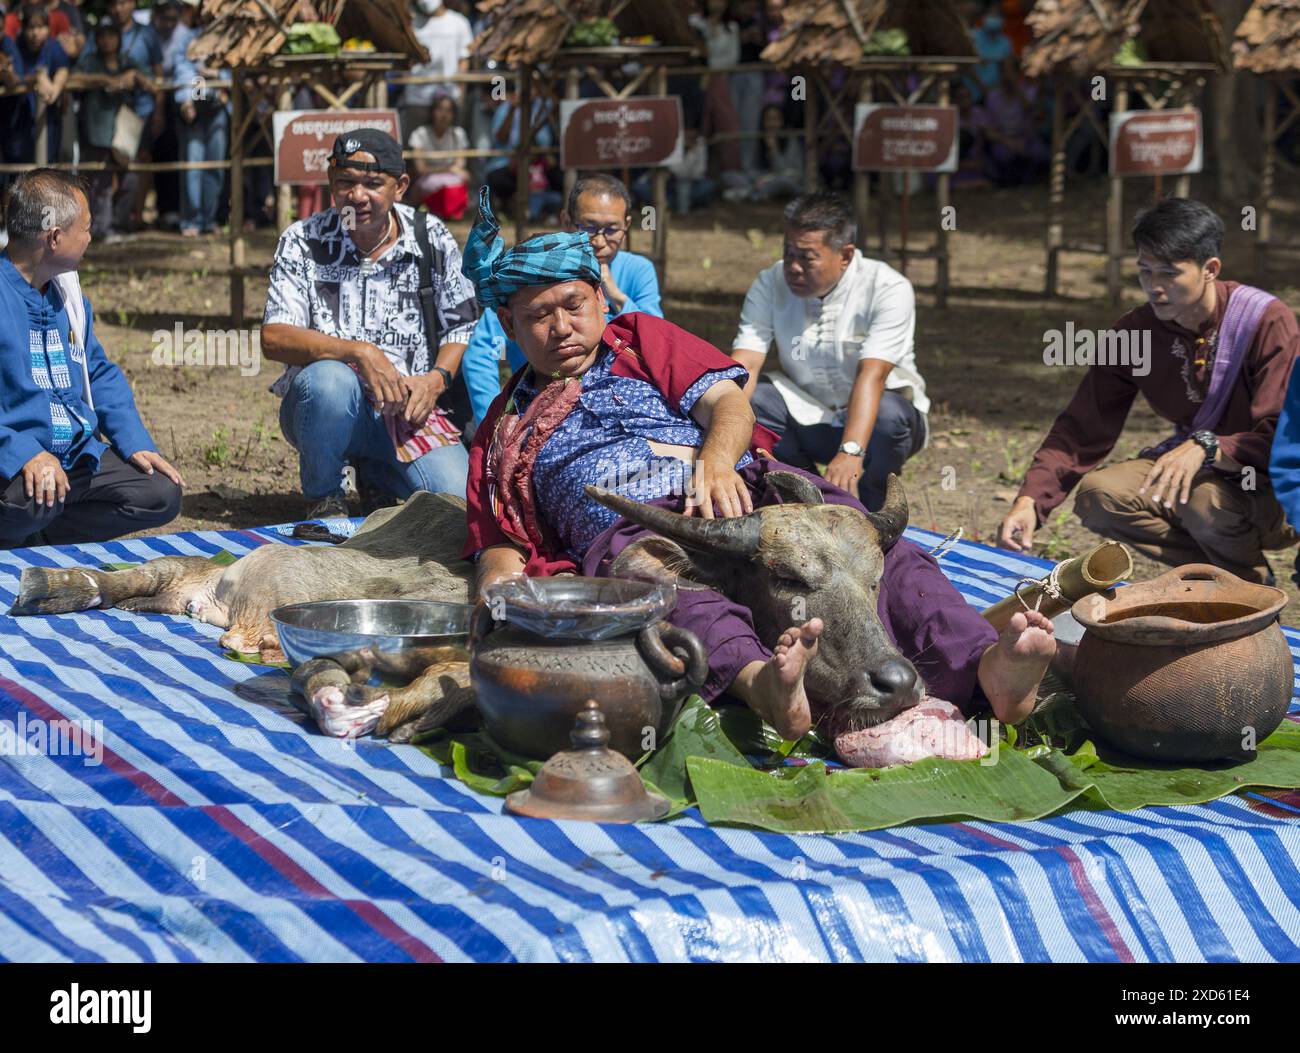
993	398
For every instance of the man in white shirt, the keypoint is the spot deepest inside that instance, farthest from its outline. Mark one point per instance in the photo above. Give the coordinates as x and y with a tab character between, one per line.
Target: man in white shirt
446	35
848	393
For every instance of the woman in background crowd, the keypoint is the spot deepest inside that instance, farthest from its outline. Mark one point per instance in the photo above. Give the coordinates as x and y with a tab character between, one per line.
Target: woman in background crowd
441	186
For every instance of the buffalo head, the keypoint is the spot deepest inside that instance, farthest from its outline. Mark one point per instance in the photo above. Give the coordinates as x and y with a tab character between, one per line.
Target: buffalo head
787	563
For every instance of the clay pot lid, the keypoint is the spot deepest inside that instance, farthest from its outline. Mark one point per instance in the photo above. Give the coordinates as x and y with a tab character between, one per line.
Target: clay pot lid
590	782
1196	603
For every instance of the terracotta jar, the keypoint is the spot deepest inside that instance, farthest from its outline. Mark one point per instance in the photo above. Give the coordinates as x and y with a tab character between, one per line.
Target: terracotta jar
536	665
1190	667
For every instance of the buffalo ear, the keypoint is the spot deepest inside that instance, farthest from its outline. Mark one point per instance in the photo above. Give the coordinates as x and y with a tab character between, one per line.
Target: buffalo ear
891	520
654	558
795	489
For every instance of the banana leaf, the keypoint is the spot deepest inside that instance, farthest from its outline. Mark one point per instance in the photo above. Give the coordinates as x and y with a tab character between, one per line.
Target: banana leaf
707	761
1016	787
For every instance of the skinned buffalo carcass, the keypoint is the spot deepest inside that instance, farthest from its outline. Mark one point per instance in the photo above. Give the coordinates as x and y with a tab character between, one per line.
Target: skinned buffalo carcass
787	563
408	552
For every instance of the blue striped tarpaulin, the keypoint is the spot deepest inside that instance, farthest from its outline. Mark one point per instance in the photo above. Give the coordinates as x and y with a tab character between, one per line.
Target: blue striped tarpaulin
219	828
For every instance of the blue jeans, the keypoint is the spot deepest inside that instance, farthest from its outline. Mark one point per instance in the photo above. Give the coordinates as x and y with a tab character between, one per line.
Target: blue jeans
898	434
206	139
326	417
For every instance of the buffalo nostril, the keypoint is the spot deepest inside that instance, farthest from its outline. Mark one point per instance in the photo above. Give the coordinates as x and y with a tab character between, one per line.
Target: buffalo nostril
894	678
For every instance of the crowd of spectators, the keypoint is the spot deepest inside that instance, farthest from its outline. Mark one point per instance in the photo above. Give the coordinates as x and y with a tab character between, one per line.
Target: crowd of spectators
114	84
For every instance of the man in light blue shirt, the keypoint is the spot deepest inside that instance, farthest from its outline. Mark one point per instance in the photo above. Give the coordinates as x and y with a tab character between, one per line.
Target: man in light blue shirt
600	207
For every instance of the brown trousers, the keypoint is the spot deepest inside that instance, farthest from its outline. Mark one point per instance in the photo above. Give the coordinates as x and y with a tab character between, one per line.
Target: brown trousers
1221	523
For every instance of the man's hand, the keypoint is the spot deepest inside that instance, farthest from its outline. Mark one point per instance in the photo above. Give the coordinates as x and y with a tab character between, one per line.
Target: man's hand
149	462
1017	530
421	394
385	385
1171	476
616	296
844	471
717	483
188	112
44	479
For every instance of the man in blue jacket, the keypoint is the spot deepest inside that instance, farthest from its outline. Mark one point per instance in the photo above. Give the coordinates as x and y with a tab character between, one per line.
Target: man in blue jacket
76	463
599	206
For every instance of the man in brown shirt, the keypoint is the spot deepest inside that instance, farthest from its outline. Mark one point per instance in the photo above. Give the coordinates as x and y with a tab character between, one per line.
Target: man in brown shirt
1217	372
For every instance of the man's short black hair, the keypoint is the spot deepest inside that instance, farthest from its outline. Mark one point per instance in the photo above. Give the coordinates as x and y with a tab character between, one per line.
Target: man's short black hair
41	200
825	211
1178	229
598	183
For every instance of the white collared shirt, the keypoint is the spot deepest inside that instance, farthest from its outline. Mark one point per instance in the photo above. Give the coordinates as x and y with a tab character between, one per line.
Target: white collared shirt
871	313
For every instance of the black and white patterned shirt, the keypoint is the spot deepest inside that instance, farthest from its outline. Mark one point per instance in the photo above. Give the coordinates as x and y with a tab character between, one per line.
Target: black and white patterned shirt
318	282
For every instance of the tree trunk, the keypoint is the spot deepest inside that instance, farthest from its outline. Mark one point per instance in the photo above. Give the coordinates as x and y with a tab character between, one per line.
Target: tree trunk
1233	118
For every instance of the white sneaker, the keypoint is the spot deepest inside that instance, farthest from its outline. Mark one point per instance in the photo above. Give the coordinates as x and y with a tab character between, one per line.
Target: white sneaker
350	488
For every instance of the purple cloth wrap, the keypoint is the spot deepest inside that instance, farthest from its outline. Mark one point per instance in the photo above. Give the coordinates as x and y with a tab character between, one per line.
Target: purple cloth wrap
921	611
1246	306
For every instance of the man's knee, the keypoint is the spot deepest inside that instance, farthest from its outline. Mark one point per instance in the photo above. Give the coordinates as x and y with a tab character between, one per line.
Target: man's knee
769	407
159	499
1099	501
327	386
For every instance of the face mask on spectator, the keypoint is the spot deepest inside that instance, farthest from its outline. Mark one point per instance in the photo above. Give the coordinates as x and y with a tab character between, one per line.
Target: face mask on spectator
429	7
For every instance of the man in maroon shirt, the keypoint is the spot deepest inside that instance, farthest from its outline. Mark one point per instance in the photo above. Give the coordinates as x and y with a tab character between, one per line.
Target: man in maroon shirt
1220	359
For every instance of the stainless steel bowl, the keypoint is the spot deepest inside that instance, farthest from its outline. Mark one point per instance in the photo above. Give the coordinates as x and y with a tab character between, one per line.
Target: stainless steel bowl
331	627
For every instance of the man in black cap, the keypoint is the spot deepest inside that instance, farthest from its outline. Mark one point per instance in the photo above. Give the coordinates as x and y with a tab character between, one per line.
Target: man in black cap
368	357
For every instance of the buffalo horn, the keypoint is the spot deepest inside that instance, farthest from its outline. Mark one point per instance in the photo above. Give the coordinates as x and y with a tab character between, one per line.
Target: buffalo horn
732	537
892	518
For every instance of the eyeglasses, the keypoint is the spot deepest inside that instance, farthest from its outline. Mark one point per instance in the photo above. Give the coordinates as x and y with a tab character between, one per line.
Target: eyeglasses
608	233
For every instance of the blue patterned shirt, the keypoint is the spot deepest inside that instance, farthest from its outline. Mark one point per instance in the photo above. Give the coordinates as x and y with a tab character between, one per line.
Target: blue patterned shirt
604	441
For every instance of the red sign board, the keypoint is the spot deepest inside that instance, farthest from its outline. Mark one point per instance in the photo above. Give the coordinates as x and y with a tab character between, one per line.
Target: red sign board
304	138
904	138
639	131
1155	142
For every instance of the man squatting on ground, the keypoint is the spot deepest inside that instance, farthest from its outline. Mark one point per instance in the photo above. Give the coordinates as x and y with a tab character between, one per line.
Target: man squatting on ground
1221	357
344	315
76	463
848	394
600	207
641	393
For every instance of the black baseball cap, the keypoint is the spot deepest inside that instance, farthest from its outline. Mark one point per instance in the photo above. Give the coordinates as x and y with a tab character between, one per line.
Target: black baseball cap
385	150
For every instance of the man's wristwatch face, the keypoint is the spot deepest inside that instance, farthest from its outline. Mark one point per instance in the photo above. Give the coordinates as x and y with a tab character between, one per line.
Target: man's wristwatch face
852	449
1207	441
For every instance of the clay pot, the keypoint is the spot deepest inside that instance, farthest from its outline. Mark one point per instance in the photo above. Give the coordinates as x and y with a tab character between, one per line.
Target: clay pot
1187	668
531	687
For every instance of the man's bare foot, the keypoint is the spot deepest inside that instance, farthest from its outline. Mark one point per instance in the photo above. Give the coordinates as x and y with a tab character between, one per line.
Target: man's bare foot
1011	669
774	689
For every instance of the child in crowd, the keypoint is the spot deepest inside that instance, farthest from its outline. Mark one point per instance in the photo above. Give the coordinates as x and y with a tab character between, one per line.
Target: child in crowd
441	186
39	61
121	76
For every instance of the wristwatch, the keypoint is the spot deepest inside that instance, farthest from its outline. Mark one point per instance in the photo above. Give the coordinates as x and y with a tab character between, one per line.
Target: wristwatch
446	375
852	449
1207	441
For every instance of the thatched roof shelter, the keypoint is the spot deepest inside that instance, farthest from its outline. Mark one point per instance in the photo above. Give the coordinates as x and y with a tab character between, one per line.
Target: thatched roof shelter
1082	36
1268	38
241	33
518	32
837	31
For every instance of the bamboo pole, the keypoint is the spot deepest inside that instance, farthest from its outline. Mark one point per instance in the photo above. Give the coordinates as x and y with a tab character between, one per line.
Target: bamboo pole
1115	216
1094	572
659	242
862	180
1056	192
284	204
238	252
943	193
525	116
1267	174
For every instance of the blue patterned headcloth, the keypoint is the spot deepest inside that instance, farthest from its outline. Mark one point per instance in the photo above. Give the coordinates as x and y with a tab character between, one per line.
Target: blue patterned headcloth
543	260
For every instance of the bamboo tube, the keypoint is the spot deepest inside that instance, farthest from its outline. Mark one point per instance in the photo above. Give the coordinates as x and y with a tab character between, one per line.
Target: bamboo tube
1076	578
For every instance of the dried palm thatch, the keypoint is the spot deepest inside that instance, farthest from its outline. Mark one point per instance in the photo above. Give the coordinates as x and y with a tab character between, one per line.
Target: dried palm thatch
1268	38
836	31
240	33
529	31
1082	36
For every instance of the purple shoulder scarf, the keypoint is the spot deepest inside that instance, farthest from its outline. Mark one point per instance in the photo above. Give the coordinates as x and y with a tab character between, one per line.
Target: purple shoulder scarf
1246	306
